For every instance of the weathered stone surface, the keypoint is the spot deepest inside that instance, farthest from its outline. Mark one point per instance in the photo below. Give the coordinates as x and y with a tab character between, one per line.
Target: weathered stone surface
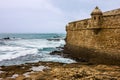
100	35
58	71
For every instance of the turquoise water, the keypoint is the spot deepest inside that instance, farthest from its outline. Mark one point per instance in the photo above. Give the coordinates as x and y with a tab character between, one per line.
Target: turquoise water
32	36
26	48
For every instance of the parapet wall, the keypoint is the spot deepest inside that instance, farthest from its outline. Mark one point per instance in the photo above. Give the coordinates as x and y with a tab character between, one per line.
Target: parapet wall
111	21
78	25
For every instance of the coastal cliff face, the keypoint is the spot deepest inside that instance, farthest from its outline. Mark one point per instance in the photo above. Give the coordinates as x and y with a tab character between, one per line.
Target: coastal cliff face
95	38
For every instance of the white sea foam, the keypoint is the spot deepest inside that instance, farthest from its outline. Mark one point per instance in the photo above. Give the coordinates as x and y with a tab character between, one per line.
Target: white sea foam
14	76
58	59
1	72
39	43
39	68
40	47
9	52
27	74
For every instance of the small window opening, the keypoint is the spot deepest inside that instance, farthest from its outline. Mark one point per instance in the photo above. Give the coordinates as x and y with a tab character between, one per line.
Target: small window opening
99	18
94	18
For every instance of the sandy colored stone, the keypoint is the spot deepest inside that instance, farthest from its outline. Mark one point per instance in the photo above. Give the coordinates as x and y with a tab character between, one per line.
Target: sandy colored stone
96	37
58	71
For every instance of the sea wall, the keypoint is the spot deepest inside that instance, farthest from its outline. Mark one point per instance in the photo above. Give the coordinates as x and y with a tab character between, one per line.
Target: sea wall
97	45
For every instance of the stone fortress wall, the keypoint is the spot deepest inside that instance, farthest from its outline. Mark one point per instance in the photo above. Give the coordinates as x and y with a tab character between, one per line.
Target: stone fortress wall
101	32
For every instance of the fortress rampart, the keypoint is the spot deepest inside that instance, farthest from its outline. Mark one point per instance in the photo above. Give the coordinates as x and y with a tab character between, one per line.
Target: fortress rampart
100	33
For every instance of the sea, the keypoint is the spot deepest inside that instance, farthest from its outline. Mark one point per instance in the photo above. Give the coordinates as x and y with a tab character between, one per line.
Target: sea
24	48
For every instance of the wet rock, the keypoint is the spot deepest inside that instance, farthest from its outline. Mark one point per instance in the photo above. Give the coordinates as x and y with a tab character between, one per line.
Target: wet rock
27	79
6	38
56	53
53	39
58	71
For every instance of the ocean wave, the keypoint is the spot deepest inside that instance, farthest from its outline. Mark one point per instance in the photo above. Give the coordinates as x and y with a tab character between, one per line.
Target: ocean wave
17	48
57	58
8	52
2	43
28	49
38	43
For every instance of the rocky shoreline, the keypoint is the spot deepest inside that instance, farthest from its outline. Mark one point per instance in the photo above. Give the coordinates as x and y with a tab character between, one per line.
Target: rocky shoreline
59	71
81	70
66	55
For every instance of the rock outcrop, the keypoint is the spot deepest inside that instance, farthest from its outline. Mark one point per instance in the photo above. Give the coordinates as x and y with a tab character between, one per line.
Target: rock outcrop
59	71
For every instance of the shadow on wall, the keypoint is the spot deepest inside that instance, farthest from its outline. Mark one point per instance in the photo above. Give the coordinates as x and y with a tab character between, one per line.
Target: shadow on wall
91	55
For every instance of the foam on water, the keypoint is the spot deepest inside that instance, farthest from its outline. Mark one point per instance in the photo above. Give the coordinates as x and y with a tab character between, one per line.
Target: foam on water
33	49
39	68
57	58
37	43
9	52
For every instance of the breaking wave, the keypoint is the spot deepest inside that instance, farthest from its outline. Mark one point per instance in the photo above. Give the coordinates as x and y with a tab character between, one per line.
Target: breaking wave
19	50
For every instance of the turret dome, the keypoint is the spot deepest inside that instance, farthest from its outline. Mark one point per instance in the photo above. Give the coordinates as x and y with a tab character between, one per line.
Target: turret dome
96	11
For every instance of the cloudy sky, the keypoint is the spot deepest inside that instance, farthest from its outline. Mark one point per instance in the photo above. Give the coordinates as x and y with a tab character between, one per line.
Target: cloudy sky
46	16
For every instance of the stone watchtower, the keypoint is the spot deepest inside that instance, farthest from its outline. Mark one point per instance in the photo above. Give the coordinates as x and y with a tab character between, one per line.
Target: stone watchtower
96	39
96	18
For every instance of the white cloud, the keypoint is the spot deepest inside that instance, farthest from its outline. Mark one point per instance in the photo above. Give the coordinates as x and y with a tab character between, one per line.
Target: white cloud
41	5
35	15
46	15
